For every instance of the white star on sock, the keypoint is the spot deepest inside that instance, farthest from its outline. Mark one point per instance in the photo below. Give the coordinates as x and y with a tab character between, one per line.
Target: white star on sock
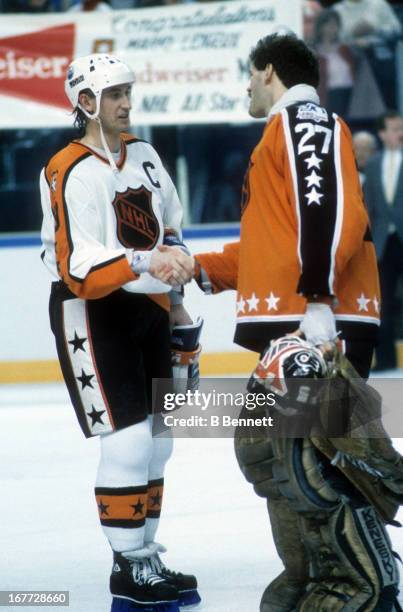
272	301
253	302
313	161
362	302
314	197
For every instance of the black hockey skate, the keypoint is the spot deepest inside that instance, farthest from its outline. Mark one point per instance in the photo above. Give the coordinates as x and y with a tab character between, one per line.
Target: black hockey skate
186	584
135	586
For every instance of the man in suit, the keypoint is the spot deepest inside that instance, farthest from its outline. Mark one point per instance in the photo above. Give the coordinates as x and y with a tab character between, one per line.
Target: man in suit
365	145
383	189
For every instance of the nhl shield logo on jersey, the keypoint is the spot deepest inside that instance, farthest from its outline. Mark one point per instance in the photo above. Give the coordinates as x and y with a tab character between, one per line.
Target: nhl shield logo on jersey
137	225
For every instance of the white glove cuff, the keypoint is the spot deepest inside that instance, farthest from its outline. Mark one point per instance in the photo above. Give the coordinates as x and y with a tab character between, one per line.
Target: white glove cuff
140	261
318	324
319	308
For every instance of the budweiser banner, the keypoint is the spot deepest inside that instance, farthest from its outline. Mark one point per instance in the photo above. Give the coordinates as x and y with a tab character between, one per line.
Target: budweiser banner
190	61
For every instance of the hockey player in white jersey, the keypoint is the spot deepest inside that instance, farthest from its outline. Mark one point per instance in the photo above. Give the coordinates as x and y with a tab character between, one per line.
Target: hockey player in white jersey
107	204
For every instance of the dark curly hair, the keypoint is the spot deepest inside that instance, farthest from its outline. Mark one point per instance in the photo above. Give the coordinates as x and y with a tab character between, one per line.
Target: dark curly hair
292	60
80	119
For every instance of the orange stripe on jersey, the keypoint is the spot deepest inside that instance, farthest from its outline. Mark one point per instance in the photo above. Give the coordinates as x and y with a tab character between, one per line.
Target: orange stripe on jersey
161	299
155	494
102	279
122	507
122	157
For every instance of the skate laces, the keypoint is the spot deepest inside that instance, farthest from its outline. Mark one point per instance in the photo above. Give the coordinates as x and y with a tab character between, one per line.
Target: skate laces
143	572
159	566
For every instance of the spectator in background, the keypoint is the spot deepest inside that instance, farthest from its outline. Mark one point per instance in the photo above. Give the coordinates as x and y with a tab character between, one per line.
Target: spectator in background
90	5
310	11
31	6
364	144
336	63
383	189
365	22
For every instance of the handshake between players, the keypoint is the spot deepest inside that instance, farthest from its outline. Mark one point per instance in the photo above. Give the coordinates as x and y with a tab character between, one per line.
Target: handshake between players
171	265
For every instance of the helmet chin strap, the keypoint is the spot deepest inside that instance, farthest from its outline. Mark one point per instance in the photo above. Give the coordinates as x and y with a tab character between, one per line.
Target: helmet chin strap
95	117
106	148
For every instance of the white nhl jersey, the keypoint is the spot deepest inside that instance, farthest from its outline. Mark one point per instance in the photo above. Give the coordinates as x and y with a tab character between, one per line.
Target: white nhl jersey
93	217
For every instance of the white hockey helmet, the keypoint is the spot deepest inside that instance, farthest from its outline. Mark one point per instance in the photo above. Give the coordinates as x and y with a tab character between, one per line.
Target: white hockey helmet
95	72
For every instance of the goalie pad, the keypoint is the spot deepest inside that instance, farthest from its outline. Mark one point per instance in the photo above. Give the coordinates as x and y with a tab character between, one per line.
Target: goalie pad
349	550
185	352
284	592
352	562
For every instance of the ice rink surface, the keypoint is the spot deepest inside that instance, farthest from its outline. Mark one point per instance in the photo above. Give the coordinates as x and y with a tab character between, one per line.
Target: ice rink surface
213	524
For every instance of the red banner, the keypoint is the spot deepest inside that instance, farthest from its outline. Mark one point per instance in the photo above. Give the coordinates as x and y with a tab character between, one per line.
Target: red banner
33	66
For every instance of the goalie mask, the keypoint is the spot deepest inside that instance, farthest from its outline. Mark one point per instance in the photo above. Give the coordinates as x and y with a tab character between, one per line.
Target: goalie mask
289	368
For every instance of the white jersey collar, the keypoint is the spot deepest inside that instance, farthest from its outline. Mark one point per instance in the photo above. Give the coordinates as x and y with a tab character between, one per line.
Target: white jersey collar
298	93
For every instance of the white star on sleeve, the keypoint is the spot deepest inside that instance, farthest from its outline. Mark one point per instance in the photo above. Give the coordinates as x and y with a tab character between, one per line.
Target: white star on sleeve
376	304
253	302
240	305
272	301
362	302
314	197
313	161
314	179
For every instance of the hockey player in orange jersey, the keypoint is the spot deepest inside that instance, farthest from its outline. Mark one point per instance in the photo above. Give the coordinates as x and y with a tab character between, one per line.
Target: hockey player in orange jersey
305	261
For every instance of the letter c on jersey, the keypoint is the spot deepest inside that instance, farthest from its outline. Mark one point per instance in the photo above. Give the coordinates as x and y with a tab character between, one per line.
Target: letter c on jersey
146	167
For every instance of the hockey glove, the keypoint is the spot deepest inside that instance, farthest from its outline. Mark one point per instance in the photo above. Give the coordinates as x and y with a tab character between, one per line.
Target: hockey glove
318	324
172	239
185	351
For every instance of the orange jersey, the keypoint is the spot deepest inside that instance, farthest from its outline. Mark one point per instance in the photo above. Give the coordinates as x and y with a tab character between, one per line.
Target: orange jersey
304	231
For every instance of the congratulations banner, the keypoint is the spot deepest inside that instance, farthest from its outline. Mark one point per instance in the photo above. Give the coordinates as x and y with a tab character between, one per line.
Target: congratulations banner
190	61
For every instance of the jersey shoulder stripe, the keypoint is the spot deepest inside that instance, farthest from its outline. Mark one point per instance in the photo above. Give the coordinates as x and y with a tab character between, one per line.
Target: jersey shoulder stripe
131	138
65	160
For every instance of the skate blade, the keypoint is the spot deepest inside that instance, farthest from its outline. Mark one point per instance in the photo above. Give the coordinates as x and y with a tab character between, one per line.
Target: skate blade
126	605
189	600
